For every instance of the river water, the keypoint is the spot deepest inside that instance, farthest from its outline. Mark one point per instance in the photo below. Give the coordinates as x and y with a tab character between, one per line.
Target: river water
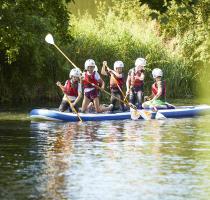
160	160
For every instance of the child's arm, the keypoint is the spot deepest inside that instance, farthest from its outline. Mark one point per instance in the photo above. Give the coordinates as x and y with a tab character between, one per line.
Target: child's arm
160	88
128	83
100	81
148	98
79	94
104	69
60	86
115	73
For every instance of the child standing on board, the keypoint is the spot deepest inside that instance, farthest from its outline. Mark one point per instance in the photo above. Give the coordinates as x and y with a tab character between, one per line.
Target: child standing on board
91	82
116	82
158	97
72	91
135	83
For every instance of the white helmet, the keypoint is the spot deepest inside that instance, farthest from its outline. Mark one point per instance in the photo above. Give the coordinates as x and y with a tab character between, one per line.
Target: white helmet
89	62
140	62
117	64
157	72
75	72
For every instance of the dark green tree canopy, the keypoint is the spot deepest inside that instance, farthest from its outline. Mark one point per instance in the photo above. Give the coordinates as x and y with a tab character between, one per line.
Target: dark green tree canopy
24	23
24	55
162	5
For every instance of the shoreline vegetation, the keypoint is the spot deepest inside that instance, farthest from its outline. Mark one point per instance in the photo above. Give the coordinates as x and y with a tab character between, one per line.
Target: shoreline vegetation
175	40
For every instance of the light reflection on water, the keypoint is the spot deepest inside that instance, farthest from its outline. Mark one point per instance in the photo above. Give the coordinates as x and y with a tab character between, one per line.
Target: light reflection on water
109	160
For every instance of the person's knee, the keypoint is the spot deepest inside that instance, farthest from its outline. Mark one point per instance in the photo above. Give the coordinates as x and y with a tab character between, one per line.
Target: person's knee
63	107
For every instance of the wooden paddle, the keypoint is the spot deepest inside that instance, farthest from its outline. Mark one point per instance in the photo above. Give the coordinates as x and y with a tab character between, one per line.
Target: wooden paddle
72	107
49	39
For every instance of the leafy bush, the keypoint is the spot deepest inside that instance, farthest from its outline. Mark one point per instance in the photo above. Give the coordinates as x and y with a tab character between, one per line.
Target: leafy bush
28	67
186	25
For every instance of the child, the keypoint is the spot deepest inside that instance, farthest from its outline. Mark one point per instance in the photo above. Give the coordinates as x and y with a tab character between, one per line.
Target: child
92	80
72	91
135	83
158	97
116	82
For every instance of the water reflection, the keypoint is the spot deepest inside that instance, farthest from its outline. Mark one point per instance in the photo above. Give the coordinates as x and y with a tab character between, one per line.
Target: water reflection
111	160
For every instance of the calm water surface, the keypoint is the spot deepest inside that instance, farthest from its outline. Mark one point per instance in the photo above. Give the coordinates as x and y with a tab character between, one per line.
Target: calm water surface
163	160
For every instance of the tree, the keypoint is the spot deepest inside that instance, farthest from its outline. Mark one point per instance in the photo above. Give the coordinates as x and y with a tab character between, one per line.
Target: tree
24	56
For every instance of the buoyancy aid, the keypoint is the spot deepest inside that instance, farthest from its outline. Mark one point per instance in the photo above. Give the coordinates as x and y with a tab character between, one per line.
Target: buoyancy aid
71	89
135	82
114	81
89	80
155	90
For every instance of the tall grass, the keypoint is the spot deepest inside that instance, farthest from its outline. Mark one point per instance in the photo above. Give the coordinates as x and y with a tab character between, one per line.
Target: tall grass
205	82
125	32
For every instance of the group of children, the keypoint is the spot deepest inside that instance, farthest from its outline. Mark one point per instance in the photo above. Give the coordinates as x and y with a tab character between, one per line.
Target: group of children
92	85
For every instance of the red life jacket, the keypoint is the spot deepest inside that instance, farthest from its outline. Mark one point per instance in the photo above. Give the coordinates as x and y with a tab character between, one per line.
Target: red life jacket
89	79
71	89
135	82
155	90
114	81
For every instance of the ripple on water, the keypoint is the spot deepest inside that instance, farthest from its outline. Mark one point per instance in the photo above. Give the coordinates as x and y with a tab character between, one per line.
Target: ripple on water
106	160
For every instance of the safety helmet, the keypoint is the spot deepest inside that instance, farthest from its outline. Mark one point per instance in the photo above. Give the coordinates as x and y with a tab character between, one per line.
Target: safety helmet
117	64
75	72
140	62
89	62
157	72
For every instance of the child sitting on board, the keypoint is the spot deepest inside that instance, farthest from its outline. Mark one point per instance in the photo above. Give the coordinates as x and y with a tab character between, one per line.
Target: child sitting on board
157	99
72	91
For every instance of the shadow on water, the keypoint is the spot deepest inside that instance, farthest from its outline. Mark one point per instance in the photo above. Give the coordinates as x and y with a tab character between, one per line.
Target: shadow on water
114	160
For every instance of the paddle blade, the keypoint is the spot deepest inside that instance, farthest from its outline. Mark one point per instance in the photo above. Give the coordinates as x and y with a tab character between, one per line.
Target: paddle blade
145	114
49	39
159	116
135	114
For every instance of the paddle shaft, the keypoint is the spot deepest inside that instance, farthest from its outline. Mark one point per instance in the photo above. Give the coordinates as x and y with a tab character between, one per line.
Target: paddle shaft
72	107
64	55
70	103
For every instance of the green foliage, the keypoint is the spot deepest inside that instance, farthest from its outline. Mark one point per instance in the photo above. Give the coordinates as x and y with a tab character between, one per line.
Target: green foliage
162	5
187	25
125	32
28	66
